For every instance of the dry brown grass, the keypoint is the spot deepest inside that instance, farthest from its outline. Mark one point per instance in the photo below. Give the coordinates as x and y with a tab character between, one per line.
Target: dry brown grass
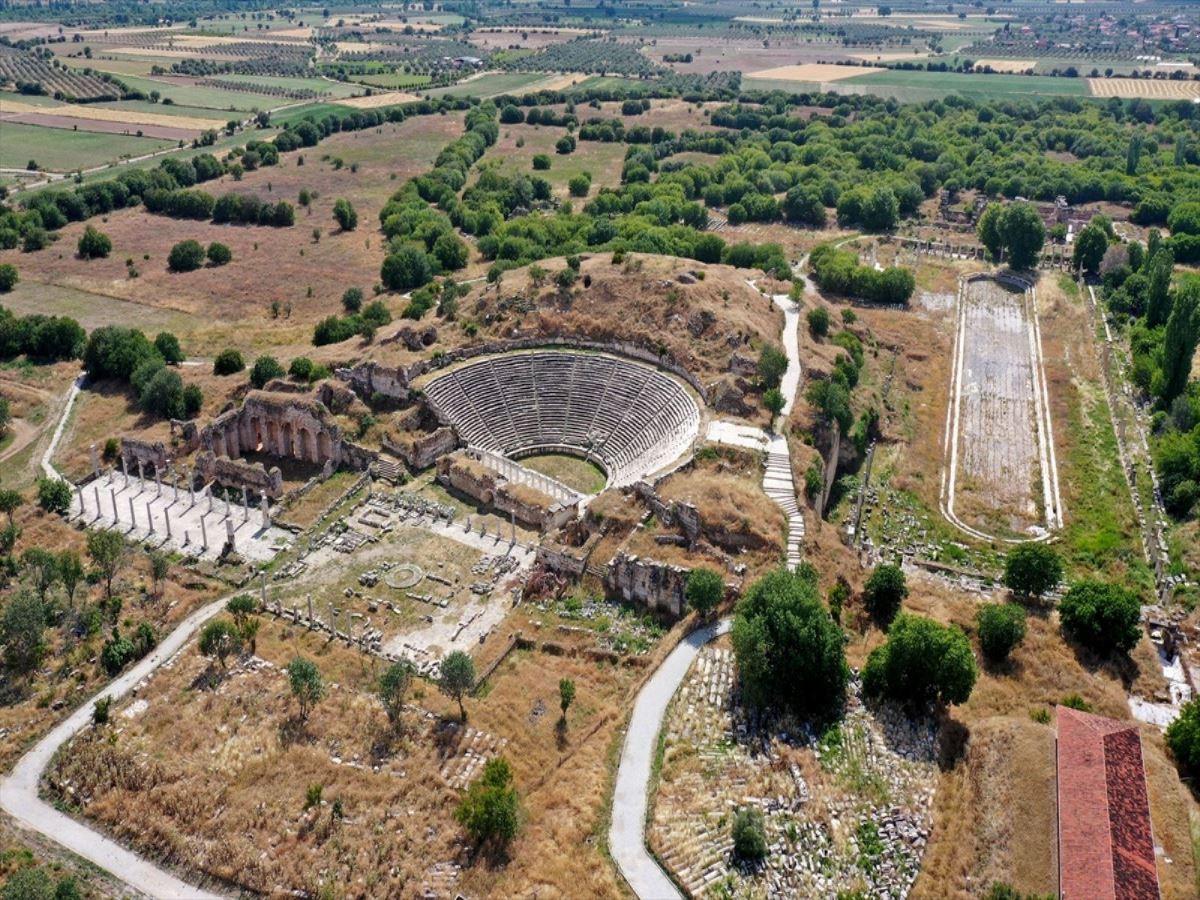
1151	89
104	114
818	72
373	101
198	764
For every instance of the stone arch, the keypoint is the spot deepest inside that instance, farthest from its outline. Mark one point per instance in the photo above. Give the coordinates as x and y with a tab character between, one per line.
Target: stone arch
285	440
232	444
271	439
303	438
324	446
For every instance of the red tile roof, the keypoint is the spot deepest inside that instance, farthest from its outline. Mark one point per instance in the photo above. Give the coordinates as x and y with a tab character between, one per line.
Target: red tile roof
1105	838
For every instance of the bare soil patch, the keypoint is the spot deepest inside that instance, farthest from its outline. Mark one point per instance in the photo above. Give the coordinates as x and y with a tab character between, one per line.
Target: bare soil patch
1151	89
373	101
817	72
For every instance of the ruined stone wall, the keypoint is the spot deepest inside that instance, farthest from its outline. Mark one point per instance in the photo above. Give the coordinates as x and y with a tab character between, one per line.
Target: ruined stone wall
658	586
278	424
237	473
357	457
372	378
422	450
150	455
673	513
491	489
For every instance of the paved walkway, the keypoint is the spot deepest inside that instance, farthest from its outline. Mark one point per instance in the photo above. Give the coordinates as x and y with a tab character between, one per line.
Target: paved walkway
777	475
626	837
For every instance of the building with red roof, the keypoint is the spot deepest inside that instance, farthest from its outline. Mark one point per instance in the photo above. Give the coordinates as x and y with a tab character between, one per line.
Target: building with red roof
1105	837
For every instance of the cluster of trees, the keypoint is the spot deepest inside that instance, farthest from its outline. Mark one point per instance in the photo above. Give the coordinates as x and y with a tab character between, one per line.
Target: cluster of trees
235	209
1164	333
335	329
127	355
839	272
40	337
189	255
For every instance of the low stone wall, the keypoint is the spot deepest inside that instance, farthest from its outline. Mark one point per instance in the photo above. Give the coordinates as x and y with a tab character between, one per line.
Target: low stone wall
357	457
658	586
237	473
673	513
422	450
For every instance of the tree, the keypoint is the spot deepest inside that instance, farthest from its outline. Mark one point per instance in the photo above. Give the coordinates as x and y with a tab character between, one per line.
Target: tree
94	244
22	632
1179	341
450	251
160	567
228	362
70	572
1023	234
566	695
1159	267
265	368
8	277
168	348
345	215
1031	569
1183	737
490	811
10	502
42	565
988	230
787	648
704	591
579	185
307	686
393	688
1001	628
186	256
219	254
1102	617
54	495
885	591
352	300
772	364
108	554
219	639
457	678
749	834
922	662
1089	248
406	269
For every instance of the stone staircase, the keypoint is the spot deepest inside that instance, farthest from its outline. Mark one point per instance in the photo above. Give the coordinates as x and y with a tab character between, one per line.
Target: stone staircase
389	469
778	485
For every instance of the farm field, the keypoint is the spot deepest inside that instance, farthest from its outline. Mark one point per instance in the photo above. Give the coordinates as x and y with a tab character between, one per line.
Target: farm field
63	150
1149	89
916	87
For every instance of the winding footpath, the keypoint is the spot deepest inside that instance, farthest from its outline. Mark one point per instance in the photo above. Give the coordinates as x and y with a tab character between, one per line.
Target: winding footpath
631	795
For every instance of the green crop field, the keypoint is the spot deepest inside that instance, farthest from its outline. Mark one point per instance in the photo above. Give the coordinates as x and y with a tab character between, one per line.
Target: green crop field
333	88
209	97
492	85
218	116
393	81
62	150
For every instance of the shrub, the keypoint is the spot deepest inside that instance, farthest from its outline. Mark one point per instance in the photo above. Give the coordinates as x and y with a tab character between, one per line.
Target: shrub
406	269
228	362
579	185
1102	617
301	368
885	591
749	834
54	495
772	364
922	662
265	368
352	300
219	254
1183	737
490	811
345	215
186	256
818	321
541	162
94	244
168	348
8	277
1001	628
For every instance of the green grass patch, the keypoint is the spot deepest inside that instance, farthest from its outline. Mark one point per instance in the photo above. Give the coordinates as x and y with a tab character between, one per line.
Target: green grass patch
577	474
63	150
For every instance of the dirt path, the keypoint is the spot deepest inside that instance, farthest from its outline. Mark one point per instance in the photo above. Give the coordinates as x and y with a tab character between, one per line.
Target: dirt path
23	435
